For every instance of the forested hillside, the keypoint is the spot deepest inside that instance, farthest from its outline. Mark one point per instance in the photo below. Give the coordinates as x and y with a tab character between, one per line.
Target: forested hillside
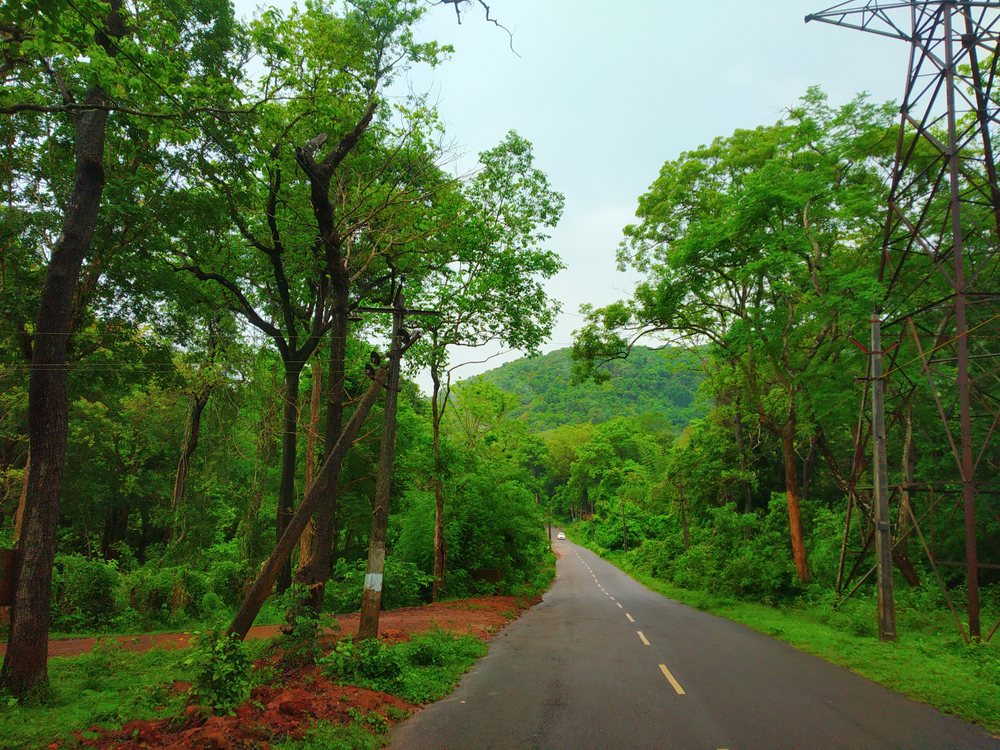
660	386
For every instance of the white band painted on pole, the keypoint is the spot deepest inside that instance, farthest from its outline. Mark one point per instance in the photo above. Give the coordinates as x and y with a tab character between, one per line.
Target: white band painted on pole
373	581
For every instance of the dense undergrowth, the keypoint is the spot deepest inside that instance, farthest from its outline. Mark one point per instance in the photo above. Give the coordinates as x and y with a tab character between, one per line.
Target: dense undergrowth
95	596
98	596
930	662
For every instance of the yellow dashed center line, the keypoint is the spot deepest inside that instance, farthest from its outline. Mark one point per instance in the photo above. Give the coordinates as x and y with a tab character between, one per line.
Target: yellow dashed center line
619	606
629	617
612	598
666	673
642	637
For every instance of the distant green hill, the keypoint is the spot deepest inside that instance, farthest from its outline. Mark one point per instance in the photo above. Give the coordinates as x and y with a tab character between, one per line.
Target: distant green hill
658	386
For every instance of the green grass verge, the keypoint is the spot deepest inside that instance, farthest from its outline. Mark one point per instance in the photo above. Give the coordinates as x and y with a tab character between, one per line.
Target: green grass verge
106	689
421	671
329	735
929	663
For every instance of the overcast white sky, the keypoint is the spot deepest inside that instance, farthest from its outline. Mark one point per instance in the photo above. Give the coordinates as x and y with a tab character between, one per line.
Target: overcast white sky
609	91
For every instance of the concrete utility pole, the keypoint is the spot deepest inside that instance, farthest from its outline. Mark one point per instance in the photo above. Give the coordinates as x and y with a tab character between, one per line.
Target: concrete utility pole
371	602
883	535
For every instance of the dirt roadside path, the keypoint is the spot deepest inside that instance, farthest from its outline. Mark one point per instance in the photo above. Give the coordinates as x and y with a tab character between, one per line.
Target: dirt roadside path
479	616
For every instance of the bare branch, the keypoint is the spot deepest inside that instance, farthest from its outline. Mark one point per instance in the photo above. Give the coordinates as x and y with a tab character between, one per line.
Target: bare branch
71	107
349	141
482	4
246	309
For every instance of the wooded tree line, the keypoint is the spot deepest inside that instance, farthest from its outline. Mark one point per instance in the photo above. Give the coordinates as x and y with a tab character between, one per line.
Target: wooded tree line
194	208
761	253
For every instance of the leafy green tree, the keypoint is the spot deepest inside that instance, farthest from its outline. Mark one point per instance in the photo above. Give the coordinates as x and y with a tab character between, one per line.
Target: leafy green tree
760	246
325	215
488	286
69	62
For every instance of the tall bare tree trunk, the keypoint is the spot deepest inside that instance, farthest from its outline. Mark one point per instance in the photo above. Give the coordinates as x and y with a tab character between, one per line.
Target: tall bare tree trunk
786	433
792	493
19	513
25	666
286	490
191	434
371	599
306	542
901	552
440	551
316	571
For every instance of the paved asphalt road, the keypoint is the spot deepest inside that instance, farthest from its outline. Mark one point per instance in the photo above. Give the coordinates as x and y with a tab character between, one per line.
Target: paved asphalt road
603	662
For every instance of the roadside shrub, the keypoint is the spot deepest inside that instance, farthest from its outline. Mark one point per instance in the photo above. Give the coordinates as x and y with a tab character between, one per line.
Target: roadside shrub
759	568
439	648
694	568
403	585
435	660
190	588
84	592
212	605
301	641
103	663
368	663
150	592
611	534
221	668
227	578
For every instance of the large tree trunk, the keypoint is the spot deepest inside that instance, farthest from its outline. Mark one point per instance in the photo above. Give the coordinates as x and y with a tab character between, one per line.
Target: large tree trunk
286	491
792	493
191	435
312	437
25	666
316	494
786	433
316	572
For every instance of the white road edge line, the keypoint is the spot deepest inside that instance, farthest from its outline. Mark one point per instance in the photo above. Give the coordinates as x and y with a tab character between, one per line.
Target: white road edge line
666	673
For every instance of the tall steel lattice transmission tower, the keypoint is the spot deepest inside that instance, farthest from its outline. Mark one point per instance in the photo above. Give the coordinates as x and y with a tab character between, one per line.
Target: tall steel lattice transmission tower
941	308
